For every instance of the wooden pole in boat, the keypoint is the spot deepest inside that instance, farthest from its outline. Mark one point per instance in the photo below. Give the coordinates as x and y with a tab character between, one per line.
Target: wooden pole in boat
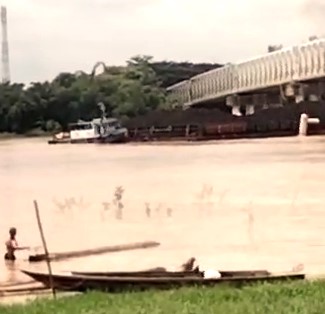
40	227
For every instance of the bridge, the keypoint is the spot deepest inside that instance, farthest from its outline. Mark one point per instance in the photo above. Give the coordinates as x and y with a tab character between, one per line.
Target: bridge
295	74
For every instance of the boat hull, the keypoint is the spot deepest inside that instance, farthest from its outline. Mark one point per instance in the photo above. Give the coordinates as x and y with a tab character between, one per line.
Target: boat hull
119	139
73	141
120	284
178	274
113	139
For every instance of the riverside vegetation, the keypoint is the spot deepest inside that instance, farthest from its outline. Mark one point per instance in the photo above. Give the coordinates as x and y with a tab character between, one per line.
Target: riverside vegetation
289	298
127	91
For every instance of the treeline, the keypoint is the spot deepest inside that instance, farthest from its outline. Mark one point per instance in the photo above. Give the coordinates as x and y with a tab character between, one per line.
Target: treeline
127	92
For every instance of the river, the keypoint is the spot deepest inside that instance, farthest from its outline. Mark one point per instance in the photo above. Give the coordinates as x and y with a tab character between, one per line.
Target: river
232	204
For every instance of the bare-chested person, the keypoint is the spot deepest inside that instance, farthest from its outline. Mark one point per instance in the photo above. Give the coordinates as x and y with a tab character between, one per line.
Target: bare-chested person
12	245
189	265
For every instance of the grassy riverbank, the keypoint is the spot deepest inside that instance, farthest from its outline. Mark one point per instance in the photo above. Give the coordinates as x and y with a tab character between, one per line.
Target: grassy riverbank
290	298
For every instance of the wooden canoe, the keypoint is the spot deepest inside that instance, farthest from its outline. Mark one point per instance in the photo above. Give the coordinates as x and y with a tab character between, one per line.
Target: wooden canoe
24	289
120	284
101	250
178	274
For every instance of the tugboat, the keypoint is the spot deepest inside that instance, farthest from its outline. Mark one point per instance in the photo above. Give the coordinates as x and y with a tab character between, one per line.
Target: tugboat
100	130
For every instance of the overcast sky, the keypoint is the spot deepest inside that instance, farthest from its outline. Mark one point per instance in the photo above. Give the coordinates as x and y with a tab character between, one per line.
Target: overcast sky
50	36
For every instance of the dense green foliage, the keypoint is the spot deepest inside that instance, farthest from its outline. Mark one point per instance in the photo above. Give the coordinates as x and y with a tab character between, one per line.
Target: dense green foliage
290	298
127	91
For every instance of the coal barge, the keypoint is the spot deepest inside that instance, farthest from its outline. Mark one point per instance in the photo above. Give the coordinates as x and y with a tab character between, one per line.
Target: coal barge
198	124
215	124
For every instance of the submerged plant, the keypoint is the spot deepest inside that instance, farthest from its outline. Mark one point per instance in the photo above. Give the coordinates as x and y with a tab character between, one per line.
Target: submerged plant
117	201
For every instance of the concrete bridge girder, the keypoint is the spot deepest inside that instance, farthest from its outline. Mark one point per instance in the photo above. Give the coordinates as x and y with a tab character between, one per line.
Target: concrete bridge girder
293	64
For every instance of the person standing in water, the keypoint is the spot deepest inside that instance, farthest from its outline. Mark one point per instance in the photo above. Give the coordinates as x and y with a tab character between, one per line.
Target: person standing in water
12	245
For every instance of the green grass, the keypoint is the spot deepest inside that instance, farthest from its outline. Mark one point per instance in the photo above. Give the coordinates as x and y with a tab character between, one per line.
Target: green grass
302	298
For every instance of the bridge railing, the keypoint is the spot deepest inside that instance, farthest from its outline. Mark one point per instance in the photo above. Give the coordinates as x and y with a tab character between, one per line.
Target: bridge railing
297	63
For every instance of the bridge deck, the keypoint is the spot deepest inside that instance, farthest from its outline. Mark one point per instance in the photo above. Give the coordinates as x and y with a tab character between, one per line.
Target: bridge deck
298	63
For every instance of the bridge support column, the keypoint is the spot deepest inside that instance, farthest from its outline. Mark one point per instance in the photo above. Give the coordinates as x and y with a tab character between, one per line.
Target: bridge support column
233	102
235	110
304	91
250	109
246	102
293	92
300	94
289	90
310	92
313	98
315	91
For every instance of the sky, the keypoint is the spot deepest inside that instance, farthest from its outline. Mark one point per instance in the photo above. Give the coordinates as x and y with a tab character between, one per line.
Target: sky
47	37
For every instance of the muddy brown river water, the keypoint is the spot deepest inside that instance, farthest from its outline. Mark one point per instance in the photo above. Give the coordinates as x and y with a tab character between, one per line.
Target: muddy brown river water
232	204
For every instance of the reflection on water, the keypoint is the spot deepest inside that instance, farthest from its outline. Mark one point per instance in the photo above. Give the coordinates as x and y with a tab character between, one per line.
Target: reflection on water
233	204
11	271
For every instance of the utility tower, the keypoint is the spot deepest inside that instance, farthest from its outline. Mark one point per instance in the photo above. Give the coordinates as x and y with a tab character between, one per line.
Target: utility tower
5	48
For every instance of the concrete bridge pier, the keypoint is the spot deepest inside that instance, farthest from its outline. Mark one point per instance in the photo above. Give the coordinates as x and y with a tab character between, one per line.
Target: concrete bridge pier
233	102
250	109
315	91
300	94
292	92
236	111
311	91
246	104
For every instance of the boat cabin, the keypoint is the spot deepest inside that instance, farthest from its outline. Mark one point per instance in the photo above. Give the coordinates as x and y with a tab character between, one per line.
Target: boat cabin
96	128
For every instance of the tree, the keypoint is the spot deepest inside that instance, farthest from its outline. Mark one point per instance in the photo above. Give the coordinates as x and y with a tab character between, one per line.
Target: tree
129	91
